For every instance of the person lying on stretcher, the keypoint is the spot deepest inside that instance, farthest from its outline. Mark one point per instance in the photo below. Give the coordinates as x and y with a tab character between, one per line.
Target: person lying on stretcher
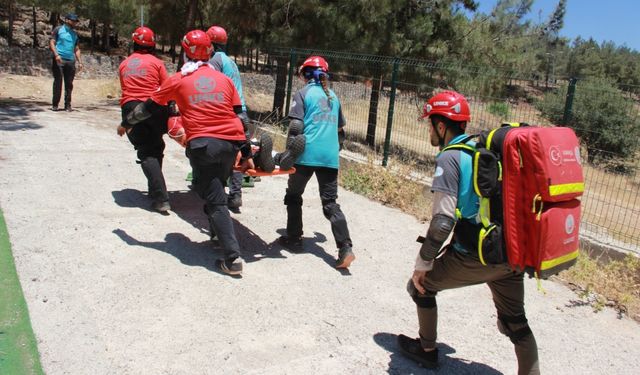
261	151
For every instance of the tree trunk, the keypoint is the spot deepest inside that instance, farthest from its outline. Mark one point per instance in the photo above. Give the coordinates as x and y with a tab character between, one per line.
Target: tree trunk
10	30
53	19
191	14
257	59
372	123
94	32
35	30
106	43
191	20
180	59
280	93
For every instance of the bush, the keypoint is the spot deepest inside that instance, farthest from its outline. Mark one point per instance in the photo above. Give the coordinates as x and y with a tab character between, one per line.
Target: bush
602	117
500	109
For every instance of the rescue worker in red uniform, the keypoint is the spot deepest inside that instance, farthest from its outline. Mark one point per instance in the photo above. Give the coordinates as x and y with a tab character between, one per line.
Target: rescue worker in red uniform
209	106
141	74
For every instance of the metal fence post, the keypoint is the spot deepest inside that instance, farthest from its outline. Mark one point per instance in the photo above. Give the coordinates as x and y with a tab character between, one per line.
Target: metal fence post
292	62
392	100
568	104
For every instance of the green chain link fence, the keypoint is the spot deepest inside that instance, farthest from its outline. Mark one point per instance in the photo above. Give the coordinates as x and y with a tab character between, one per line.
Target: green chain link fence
382	98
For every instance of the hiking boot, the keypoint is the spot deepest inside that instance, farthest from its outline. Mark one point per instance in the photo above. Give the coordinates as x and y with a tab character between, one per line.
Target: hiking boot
411	348
264	157
68	108
55	108
293	244
230	266
295	147
234	202
161	206
247	181
345	257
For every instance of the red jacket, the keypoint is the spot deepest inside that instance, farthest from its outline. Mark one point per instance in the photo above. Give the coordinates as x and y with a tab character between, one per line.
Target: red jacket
206	99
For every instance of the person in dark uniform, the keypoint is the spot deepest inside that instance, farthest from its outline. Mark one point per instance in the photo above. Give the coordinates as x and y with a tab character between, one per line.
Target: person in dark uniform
314	140
141	74
222	63
209	106
455	208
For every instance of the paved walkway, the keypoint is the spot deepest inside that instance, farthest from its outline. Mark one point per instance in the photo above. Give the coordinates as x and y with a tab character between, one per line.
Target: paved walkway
114	288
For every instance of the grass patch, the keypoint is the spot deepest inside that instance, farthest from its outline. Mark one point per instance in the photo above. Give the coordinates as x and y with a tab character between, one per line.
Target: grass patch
391	189
18	349
499	109
110	89
614	284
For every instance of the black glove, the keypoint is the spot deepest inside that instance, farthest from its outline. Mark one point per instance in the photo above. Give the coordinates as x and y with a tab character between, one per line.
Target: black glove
173	108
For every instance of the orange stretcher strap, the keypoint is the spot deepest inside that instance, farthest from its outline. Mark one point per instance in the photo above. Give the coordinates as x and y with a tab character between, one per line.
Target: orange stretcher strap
260	172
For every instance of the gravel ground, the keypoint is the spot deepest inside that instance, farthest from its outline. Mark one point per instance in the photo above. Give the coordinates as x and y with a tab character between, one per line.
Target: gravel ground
114	288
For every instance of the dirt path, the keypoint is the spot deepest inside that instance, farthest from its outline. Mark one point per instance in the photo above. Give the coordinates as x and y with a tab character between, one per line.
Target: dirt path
114	288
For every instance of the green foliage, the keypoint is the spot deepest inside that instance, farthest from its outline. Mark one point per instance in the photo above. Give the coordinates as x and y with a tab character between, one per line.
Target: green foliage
479	48
500	109
354	180
602	117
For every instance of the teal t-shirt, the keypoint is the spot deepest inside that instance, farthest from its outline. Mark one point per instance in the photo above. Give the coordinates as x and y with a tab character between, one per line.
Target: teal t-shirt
321	119
222	63
66	41
454	176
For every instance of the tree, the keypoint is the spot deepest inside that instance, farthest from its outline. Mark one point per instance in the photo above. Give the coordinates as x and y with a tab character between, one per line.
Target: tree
602	117
551	36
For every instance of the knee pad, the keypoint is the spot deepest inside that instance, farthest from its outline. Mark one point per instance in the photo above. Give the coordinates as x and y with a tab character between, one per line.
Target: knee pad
329	208
515	328
425	301
292	200
150	164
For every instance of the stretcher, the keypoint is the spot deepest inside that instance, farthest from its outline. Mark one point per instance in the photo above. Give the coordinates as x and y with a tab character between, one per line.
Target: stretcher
254	172
259	172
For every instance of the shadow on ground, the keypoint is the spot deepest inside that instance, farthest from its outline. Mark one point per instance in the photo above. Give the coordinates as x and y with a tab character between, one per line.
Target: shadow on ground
15	114
398	364
196	254
311	246
132	198
188	206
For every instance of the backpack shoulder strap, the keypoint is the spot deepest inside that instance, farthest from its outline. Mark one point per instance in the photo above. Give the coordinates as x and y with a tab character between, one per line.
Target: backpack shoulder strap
462	145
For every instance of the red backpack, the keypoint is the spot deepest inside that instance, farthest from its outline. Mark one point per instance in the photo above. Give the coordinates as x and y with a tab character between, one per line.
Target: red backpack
528	180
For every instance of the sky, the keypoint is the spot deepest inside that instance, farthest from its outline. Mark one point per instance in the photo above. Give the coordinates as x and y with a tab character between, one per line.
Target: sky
610	20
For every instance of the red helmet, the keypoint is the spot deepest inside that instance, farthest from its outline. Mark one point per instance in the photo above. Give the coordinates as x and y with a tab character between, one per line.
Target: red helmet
144	36
449	104
217	35
315	62
197	45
